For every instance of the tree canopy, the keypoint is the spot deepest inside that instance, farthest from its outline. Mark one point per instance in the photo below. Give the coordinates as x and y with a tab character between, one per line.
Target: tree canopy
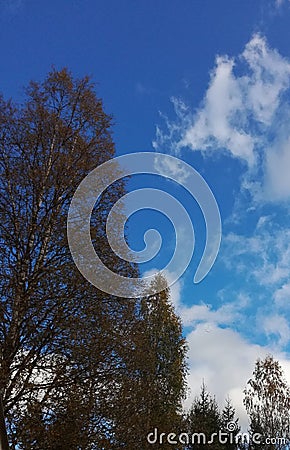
80	369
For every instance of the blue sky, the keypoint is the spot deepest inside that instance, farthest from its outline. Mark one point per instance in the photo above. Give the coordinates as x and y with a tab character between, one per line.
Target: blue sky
208	82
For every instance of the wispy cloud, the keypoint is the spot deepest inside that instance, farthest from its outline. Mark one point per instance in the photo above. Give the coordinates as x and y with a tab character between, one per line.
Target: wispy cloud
262	261
143	89
280	3
245	113
276	326
263	257
172	169
282	296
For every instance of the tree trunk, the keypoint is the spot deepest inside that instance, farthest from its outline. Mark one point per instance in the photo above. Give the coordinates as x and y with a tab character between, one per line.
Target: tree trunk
3	434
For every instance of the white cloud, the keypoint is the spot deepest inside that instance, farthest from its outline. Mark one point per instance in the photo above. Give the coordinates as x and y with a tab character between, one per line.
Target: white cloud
282	296
268	79
213	125
264	256
263	260
225	361
227	314
172	168
276	325
277	170
262	221
219	355
244	112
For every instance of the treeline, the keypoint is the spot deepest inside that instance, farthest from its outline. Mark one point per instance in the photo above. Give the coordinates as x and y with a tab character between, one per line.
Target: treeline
267	402
81	369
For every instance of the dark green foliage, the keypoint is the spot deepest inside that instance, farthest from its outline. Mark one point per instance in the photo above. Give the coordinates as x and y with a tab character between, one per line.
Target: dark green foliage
204	419
152	397
230	425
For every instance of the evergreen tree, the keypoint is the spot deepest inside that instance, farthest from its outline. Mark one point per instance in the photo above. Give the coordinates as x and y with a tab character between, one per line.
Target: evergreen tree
152	397
267	401
230	425
204	422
